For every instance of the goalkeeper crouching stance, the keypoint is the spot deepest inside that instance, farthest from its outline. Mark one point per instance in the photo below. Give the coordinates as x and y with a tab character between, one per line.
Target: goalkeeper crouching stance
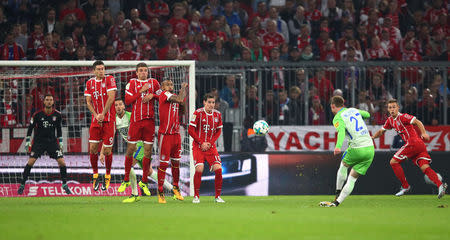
122	125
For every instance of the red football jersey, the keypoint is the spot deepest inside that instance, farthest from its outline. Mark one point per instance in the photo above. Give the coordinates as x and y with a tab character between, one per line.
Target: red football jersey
205	126
141	110
403	126
98	91
273	39
169	120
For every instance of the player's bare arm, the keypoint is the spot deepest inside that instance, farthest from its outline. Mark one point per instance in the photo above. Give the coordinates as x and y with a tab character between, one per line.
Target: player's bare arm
379	133
423	132
109	102
182	95
91	108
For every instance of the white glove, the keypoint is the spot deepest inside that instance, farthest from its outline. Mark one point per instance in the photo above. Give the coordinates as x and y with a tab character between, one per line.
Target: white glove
27	144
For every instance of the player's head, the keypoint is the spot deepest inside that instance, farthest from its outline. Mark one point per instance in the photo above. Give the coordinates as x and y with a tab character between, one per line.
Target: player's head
142	71
336	103
209	101
393	107
167	85
120	106
48	101
99	69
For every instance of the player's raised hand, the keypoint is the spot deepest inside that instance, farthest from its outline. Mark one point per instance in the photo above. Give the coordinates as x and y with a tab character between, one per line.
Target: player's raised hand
184	85
337	151
147	98
425	137
144	88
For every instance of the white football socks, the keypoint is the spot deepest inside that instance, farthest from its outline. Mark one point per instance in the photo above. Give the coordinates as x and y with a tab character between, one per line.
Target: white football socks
341	176
348	188
133	183
166	184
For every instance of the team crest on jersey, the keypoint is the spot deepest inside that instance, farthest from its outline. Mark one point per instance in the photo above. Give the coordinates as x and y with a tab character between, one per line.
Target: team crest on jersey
193	117
54	118
163	157
216	120
103	85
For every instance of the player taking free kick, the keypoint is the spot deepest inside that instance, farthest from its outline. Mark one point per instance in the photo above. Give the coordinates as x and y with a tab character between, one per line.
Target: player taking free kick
44	123
413	149
141	93
359	154
100	93
205	128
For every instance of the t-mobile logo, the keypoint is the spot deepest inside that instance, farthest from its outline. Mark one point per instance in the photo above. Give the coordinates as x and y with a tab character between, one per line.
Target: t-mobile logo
206	128
33	191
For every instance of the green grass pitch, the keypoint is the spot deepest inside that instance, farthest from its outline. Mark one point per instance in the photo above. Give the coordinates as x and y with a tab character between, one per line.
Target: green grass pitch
275	217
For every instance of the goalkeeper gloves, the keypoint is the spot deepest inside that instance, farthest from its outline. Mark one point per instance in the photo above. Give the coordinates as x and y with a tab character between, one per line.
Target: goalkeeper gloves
61	143
27	143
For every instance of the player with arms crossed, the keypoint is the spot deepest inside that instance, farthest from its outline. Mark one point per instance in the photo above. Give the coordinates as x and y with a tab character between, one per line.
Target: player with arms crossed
359	154
141	93
44	123
122	124
205	128
414	148
100	93
169	138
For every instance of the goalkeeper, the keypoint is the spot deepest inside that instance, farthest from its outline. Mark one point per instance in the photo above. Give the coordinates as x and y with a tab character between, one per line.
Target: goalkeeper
360	151
122	124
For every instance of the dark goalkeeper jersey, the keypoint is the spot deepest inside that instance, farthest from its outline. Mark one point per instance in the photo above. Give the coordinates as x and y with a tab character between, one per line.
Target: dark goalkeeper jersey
45	125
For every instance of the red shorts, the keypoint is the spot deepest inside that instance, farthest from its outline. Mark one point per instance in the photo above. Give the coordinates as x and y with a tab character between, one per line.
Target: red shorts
143	130
104	132
212	157
169	147
413	150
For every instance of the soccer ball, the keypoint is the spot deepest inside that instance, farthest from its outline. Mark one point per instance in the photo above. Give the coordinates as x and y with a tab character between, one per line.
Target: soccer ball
261	127
428	180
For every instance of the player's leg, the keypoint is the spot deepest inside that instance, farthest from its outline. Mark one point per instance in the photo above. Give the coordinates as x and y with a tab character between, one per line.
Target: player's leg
423	163
175	157
134	197
217	168
399	157
348	187
165	145
147	135
27	170
63	171
341	175
131	148
94	140
199	158
108	132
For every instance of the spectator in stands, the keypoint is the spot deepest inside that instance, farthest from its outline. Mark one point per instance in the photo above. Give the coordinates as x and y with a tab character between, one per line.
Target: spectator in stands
362	37
334	16
223	26
29	110
281	26
411	101
10	110
172	44
381	113
251	101
113	32
432	15
127	53
409	54
220	105
272	38
329	53
277	75
219	52
294	55
22	38
157	9
364	102
304	38
351	54
50	23
214	6
393	31
3	23
38	92
316	112
100	48
110	52
348	9
81	53
47	51
323	38
67	25
437	47
256	26
195	25
261	12
11	50
78	36
377	91
284	114
93	30
57	43
36	39
389	44
258	53
214	32
376	52
88	7
71	8
429	110
203	56
229	90
119	42
69	52
179	23
243	14
271	109
307	54
295	106
207	17
246	54
231	16
296	23
324	86
349	34
313	15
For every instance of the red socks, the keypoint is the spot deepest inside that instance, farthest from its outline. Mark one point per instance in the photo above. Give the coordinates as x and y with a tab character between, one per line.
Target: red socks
175	172
433	176
398	170
145	169
161	175
197	183
108	163
94	162
218	181
128	163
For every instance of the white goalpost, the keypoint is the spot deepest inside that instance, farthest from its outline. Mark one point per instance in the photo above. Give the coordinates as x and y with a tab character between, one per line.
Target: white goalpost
22	86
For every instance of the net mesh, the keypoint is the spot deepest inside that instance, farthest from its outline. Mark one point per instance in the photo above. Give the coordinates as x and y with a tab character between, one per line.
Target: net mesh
22	90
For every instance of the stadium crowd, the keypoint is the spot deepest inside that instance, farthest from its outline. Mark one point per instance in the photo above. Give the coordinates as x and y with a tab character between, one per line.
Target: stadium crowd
250	31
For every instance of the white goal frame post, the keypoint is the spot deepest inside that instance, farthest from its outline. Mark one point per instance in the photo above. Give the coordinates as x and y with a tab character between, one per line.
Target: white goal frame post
190	64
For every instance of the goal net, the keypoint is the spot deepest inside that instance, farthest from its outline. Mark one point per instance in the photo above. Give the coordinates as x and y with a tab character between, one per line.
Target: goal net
23	85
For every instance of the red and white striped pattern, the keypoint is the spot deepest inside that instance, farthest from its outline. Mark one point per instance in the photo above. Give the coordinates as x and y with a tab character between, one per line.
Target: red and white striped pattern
142	110
98	91
168	114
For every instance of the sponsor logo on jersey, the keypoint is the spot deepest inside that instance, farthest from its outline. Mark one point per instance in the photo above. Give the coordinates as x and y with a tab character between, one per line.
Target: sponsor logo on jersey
54	118
336	124
216	120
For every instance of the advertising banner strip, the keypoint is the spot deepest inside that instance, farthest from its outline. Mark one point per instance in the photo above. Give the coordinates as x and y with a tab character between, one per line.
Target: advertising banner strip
55	190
